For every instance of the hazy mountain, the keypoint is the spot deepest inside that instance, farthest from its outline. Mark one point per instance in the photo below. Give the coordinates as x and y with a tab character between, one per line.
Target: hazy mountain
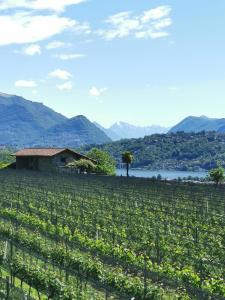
198	124
26	123
73	132
22	121
110	133
125	130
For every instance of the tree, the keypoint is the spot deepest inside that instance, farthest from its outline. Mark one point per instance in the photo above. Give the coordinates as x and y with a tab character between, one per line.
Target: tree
217	175
83	165
127	159
105	164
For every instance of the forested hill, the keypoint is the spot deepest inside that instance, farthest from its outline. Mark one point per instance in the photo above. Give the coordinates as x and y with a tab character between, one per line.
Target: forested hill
173	151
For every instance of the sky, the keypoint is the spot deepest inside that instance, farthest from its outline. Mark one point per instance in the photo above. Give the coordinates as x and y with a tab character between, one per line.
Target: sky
139	61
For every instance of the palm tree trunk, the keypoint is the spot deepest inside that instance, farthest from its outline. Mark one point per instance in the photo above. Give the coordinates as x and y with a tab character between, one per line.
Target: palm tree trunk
127	170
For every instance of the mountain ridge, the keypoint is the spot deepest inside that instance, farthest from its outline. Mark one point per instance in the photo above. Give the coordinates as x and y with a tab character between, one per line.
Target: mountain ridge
122	130
126	130
198	124
74	132
26	123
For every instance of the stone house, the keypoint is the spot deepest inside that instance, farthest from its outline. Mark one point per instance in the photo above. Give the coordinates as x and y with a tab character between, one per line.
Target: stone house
46	159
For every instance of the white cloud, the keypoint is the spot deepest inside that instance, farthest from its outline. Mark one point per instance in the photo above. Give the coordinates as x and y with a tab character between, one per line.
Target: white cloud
150	34
156	13
83	28
147	25
55	5
32	50
26	28
162	24
60	74
25	84
69	56
65	86
56	45
96	92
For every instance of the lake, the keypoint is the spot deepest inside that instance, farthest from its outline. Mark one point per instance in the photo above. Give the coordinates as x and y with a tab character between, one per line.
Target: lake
163	173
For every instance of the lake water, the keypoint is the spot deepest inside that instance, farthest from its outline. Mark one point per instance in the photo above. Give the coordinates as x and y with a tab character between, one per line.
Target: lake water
163	173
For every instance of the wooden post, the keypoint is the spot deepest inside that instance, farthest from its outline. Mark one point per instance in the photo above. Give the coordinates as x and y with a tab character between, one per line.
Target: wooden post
145	277
7	288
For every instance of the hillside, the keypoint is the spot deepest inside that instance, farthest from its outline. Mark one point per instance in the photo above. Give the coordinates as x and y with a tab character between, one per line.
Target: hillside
173	151
198	124
73	132
22	120
27	123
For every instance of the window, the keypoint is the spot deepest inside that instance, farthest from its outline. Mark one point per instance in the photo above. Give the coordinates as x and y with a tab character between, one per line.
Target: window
63	160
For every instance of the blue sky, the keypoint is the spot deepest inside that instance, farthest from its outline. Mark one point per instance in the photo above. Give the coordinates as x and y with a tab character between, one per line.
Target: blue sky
140	61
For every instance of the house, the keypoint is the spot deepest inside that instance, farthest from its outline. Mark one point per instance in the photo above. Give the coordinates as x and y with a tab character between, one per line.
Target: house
46	159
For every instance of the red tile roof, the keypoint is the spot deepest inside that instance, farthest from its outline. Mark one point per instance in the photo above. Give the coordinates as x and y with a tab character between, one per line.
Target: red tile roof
42	151
48	152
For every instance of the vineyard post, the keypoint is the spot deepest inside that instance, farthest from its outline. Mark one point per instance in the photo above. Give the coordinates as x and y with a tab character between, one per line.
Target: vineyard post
106	294
7	287
196	235
11	256
145	276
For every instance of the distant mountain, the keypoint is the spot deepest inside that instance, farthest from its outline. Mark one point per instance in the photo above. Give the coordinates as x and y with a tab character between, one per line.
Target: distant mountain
22	121
73	132
125	130
198	124
26	123
110	133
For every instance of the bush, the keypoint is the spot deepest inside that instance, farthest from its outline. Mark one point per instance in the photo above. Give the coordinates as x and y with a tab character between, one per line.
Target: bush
105	164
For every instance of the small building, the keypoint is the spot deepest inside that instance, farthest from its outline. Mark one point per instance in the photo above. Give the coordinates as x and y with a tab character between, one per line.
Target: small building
46	159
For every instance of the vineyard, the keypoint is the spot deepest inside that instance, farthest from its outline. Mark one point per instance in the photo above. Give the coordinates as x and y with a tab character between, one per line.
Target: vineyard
89	237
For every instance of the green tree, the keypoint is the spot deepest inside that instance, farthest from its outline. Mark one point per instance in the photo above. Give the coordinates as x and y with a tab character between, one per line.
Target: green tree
105	164
83	165
127	159
6	156
217	175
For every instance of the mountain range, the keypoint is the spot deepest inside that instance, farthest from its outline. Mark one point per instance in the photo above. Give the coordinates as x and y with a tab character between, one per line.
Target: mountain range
26	123
124	130
73	132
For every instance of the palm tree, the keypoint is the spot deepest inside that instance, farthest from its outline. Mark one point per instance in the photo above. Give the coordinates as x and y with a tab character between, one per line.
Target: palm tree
127	158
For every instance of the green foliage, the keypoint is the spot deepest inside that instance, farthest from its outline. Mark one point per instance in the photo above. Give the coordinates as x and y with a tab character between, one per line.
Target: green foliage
6	158
83	165
105	163
69	232
217	175
173	151
127	159
3	165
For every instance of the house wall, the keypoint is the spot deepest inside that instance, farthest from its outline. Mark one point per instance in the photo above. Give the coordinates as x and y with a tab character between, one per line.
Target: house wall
22	163
46	164
58	162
